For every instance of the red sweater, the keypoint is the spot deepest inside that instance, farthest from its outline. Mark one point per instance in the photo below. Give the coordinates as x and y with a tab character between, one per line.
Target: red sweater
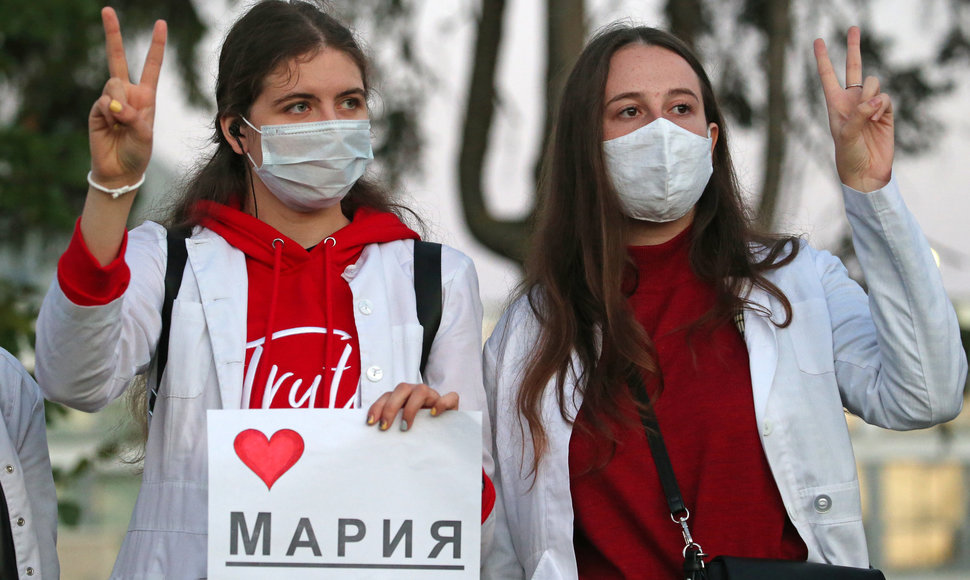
706	415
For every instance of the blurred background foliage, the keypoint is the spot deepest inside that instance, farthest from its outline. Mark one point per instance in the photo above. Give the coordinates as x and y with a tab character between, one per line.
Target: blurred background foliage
52	69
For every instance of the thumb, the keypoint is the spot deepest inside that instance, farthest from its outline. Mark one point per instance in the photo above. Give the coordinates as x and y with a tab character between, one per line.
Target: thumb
874	108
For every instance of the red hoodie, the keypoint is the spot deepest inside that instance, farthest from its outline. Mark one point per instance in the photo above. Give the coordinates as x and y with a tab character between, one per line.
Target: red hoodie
301	340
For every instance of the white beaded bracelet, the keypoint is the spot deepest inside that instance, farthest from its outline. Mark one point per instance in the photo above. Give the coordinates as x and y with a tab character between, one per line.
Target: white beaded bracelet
116	192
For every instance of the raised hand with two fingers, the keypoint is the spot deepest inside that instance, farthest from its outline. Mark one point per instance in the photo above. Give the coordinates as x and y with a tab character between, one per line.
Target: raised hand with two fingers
121	122
120	132
860	118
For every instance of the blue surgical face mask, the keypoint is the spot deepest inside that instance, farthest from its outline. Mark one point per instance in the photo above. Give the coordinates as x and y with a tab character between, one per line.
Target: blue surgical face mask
311	166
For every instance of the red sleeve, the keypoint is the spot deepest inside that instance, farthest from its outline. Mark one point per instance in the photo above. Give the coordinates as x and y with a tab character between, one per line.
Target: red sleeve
84	280
488	496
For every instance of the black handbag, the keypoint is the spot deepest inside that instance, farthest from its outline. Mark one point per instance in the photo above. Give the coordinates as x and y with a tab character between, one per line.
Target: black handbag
725	567
731	568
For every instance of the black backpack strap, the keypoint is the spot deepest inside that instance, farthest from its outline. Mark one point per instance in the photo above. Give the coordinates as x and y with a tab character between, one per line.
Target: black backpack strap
174	268
427	293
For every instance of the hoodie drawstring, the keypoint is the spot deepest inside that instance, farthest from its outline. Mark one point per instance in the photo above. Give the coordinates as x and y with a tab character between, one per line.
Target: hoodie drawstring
329	242
265	361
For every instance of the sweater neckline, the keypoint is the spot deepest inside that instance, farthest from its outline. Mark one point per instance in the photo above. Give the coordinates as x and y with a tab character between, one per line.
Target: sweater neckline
663	264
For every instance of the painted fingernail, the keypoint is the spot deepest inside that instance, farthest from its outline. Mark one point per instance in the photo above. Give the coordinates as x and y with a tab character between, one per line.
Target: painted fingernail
875	102
371	419
404	425
115	106
434	411
384	425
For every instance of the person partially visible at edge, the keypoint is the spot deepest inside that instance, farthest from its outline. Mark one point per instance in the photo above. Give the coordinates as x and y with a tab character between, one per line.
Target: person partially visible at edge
28	502
298	290
750	345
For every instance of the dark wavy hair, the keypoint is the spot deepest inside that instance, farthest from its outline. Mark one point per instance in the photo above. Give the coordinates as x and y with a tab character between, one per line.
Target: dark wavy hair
270	35
578	270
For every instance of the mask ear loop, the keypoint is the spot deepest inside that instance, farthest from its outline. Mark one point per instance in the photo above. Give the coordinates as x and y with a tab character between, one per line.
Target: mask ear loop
235	132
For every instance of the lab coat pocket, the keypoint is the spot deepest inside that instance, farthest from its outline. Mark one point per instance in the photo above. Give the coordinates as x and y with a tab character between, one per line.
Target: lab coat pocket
811	336
188	350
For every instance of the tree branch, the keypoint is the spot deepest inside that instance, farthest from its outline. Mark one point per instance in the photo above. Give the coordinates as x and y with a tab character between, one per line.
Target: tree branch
778	29
685	19
506	238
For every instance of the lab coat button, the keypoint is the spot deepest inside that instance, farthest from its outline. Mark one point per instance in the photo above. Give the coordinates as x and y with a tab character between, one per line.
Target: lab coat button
9	468
21	521
365	307
823	503
766	429
375	373
30	571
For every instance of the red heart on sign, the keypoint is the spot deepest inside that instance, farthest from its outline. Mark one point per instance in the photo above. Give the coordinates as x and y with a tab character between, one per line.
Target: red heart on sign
269	458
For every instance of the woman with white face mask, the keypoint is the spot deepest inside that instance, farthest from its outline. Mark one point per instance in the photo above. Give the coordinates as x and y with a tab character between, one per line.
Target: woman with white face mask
298	291
648	294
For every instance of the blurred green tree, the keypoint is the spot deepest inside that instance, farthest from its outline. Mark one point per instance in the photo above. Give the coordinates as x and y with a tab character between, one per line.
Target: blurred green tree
52	68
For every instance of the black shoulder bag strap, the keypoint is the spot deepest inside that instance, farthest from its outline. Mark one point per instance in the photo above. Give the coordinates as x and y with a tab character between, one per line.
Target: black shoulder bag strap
427	293
723	567
174	269
693	555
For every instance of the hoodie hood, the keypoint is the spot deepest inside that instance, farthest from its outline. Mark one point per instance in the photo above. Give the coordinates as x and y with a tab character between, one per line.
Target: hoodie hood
255	237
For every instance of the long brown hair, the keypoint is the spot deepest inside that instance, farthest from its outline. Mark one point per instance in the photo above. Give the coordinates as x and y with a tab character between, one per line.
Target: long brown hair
578	261
270	35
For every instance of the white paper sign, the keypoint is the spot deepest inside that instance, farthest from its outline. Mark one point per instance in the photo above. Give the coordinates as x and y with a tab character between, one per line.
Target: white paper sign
317	493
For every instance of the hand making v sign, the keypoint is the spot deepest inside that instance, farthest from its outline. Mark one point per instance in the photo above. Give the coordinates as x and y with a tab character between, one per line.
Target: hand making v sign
860	118
120	130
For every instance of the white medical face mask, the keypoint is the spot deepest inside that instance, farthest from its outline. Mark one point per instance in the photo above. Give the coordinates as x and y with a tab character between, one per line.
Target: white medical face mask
311	166
659	171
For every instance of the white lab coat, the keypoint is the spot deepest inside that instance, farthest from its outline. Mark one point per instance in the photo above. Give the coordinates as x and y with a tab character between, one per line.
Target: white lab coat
87	356
25	472
893	358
